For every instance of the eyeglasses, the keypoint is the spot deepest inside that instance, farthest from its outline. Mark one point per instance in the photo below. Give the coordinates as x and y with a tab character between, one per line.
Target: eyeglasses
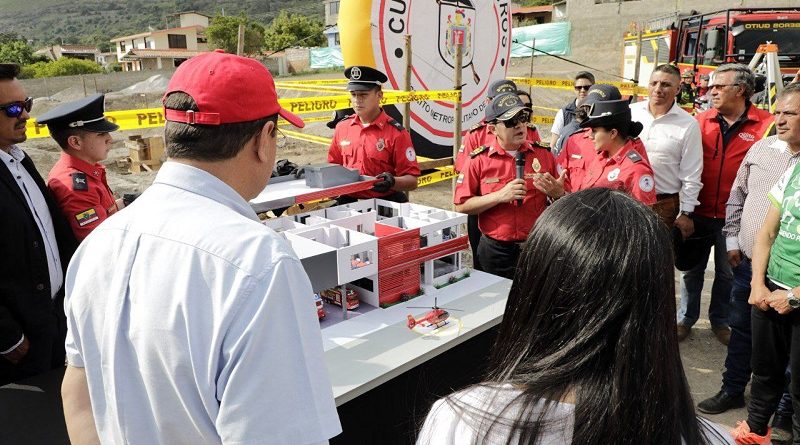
280	140
523	117
14	109
582	87
722	85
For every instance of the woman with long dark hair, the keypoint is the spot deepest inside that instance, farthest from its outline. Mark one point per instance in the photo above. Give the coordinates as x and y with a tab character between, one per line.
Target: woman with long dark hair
587	352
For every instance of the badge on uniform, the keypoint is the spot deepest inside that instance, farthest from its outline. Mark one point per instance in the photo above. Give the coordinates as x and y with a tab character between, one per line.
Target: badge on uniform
460	178
613	174
411	154
646	183
380	145
79	181
536	165
491	180
344	143
86	217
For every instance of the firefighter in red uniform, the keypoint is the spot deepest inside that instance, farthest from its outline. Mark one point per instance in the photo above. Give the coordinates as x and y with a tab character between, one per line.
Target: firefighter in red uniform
507	206
478	136
78	180
372	142
618	164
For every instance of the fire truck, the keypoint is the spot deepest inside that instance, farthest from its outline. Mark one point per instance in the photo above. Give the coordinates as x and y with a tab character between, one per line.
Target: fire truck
701	42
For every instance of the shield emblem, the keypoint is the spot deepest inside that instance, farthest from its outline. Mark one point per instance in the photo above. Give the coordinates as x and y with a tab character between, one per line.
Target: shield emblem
456	22
536	165
380	145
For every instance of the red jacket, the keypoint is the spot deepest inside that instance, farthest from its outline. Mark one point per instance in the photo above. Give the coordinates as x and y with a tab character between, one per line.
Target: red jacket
721	161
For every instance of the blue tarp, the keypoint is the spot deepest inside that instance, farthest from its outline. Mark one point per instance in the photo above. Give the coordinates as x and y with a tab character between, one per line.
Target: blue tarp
550	37
326	57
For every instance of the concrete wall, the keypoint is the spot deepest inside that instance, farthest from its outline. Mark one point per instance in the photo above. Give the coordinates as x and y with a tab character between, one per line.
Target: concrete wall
94	82
597	29
191	19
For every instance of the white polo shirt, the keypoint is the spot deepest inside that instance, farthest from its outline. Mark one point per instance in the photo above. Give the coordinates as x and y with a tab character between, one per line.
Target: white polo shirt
675	150
196	324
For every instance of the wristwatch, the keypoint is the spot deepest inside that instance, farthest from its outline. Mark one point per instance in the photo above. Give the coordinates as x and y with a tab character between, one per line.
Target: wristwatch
794	302
685	213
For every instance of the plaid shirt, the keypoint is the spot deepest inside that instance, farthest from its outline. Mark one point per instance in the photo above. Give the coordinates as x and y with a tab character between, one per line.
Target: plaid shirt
747	205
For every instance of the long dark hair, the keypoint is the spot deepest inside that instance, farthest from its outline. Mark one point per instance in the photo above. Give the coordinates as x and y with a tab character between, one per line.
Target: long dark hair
591	313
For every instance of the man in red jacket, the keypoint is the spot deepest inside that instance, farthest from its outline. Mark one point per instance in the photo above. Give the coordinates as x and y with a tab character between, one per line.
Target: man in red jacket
728	131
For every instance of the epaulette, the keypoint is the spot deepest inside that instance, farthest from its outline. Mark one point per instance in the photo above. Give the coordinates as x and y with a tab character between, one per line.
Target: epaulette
477	126
395	124
79	181
633	156
540	144
478	151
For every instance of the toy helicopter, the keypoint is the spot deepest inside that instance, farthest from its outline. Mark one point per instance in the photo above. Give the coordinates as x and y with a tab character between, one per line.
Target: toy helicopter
434	319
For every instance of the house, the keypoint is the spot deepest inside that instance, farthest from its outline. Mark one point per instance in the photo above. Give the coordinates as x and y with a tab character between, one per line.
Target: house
107	59
331	31
531	15
55	52
164	48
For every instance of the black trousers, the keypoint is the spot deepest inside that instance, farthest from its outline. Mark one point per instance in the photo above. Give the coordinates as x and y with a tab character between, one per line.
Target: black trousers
474	234
773	337
499	257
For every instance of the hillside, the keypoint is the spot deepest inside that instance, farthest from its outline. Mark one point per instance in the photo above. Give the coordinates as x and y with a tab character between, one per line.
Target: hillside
96	21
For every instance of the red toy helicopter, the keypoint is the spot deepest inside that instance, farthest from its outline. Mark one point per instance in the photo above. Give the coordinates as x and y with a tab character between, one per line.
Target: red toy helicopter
434	319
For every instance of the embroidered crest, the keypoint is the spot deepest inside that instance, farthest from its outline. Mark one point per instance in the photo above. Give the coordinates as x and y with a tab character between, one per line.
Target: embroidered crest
86	217
355	73
380	145
536	165
646	183
79	181
613	174
747	137
411	155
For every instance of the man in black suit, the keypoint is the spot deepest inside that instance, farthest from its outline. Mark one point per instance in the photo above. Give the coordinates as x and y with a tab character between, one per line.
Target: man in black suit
36	244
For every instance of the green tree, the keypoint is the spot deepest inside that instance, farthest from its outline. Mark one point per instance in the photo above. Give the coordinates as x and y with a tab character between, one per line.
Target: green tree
16	51
293	30
61	67
223	32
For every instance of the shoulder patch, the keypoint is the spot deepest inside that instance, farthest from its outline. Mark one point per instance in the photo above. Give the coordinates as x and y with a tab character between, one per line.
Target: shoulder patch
633	156
395	124
478	151
79	181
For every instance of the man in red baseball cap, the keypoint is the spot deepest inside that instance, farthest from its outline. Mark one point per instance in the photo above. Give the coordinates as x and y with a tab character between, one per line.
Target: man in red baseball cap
190	321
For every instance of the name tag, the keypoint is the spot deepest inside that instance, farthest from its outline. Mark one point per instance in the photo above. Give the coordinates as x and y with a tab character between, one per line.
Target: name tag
491	180
530	175
576	156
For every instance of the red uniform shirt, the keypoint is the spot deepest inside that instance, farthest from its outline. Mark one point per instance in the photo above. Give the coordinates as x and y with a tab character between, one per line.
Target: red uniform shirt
575	157
489	172
382	146
82	193
478	136
627	171
721	161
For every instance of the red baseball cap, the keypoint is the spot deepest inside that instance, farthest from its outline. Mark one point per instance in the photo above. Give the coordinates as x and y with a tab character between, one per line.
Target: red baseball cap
227	89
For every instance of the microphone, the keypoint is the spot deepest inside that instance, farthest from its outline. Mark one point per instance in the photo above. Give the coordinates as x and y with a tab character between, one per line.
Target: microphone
519	161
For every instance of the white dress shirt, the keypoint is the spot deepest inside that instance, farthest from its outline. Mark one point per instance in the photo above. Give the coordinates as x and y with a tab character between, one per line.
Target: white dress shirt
196	324
41	213
675	150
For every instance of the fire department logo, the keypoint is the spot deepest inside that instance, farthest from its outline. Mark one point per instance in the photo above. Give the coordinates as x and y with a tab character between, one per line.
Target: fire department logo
411	154
646	183
449	23
613	174
380	145
536	165
355	73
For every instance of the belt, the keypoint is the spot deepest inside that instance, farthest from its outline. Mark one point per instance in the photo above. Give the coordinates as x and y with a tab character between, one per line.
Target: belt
661	196
504	243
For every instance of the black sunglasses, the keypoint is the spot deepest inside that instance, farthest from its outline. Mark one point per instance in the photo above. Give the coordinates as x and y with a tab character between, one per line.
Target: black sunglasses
523	117
582	87
14	109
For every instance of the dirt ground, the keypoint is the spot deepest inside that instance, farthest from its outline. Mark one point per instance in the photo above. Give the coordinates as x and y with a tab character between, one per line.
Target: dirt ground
703	357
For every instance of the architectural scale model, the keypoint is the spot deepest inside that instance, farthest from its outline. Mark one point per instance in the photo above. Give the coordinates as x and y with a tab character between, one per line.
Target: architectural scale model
384	251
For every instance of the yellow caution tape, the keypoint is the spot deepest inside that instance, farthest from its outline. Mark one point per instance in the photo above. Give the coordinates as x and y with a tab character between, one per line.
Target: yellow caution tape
302	105
441	174
626	88
314	82
127	120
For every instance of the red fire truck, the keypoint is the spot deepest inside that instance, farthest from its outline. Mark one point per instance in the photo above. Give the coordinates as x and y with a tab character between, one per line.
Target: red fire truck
703	41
